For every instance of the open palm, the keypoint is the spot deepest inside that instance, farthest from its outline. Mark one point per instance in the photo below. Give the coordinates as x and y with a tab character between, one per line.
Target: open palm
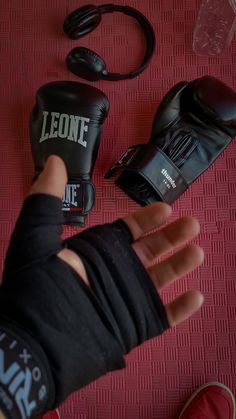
148	247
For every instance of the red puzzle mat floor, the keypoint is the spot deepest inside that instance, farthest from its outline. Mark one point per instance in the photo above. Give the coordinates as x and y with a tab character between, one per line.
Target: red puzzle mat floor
163	372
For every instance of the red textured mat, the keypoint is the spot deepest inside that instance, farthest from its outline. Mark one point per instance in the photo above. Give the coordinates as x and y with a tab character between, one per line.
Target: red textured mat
163	372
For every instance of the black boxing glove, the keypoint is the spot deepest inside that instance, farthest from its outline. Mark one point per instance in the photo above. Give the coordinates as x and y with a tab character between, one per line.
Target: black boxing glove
73	333
67	120
195	122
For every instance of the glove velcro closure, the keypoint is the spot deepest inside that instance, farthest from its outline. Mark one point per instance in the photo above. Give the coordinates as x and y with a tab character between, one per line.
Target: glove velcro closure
157	172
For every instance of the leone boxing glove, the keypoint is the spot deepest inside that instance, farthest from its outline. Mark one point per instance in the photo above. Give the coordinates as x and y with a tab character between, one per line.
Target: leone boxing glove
67	120
193	125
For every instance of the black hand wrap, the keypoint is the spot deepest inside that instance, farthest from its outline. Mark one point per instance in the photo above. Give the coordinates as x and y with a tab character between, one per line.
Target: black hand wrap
83	331
121	284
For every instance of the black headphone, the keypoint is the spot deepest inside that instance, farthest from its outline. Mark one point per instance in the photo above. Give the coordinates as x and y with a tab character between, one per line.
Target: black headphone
87	64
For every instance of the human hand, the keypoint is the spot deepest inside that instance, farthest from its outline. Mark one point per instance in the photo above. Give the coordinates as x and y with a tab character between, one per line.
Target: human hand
87	301
149	248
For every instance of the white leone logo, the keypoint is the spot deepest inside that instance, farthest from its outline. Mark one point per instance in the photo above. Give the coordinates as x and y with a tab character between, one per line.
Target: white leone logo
169	178
61	125
71	195
19	385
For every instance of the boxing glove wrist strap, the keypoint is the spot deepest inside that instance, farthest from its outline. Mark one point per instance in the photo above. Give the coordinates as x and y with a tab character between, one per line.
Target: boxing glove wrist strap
160	173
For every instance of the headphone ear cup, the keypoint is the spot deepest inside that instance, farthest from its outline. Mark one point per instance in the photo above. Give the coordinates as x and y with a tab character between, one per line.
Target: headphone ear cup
86	64
82	21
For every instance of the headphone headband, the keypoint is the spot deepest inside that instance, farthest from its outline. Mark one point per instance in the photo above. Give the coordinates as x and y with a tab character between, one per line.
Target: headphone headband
85	19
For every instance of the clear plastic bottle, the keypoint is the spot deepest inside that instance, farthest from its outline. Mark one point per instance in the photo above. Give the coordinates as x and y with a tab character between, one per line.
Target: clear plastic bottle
215	26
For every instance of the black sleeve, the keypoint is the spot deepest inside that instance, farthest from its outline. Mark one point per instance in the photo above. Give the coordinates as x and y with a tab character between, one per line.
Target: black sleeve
26	384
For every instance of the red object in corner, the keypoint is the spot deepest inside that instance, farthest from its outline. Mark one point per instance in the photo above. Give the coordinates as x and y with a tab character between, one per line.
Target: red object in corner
210	401
54	414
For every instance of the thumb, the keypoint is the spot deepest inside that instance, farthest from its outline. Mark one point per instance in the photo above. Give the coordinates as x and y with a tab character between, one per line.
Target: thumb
38	229
52	180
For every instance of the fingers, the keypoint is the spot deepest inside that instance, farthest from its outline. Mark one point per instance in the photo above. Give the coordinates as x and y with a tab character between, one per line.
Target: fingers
52	180
147	219
184	307
176	266
173	235
157	244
